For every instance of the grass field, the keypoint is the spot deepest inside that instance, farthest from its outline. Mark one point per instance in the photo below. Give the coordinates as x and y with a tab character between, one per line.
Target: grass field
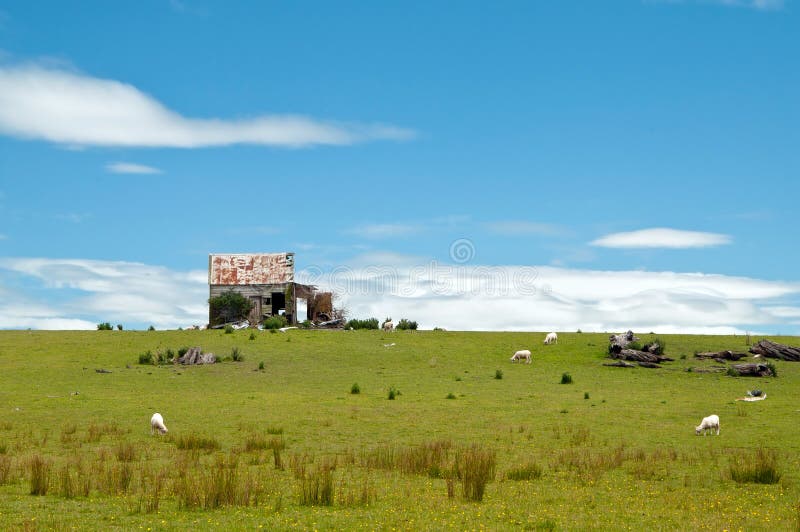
290	446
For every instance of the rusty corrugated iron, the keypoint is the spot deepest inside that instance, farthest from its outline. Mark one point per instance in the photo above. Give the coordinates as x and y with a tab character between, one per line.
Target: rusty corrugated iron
243	269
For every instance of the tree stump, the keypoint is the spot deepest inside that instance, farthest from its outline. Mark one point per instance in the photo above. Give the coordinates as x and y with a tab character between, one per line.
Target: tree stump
771	349
752	370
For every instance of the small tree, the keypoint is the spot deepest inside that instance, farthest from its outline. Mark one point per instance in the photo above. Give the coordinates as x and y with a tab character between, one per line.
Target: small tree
229	306
407	325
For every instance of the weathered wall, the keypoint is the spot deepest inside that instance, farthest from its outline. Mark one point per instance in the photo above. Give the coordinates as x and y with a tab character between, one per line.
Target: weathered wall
250	269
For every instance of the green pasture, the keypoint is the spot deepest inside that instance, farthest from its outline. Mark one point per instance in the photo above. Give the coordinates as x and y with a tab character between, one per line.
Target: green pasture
613	450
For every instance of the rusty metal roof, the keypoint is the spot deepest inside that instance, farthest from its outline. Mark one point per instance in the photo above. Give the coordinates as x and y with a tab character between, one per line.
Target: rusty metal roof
250	268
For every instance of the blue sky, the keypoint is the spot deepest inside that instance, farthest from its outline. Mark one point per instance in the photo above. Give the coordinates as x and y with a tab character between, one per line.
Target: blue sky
634	161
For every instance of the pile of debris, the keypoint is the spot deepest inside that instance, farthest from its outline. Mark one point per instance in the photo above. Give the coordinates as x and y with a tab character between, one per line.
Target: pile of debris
649	357
195	356
771	349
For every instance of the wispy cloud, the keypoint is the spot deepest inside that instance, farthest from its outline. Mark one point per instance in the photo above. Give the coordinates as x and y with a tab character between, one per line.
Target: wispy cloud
377	231
760	5
522	227
131	168
68	108
78	293
661	237
121	292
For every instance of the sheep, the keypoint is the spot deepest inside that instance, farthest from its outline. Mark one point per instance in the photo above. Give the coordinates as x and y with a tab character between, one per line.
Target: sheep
709	423
522	355
388	326
551	338
157	423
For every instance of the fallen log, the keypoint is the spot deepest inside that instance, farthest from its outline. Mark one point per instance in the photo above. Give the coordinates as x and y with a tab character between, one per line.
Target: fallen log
751	370
620	364
648	364
640	356
719	356
771	349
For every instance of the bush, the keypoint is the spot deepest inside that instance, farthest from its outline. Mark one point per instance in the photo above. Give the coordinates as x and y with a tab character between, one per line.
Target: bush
39	475
237	355
105	326
305	324
119	326
566	378
275	322
151	328
229	306
252	336
393	392
228	329
146	358
406	325
451	395
659	345
498	374
773	369
261	366
370	324
355	389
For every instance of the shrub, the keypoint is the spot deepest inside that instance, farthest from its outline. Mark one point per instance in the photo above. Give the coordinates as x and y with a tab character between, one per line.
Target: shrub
275	322
773	369
237	355
761	469
566	378
451	395
658	344
146	358
105	326
355	389
585	395
119	326
393	392
305	324
371	323
406	325
261	366
732	372
252	336
151	328
229	306
182	351
273	331
229	329
498	374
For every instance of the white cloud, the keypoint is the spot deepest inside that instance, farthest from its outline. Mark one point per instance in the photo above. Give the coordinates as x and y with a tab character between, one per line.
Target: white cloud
131	168
661	237
521	227
120	292
548	298
74	109
78	293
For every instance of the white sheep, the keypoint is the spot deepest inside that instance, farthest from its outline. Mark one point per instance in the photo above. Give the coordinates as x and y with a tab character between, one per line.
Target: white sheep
388	326
551	338
157	423
709	423
522	355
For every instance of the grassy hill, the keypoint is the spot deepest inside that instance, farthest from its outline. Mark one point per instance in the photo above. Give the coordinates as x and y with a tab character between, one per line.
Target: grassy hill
614	449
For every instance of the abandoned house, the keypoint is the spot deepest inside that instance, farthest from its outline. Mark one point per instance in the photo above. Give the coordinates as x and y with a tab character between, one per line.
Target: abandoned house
267	280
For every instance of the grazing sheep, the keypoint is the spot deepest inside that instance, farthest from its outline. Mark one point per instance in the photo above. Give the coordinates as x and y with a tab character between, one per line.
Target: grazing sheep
522	355
551	338
157	423
708	423
388	326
